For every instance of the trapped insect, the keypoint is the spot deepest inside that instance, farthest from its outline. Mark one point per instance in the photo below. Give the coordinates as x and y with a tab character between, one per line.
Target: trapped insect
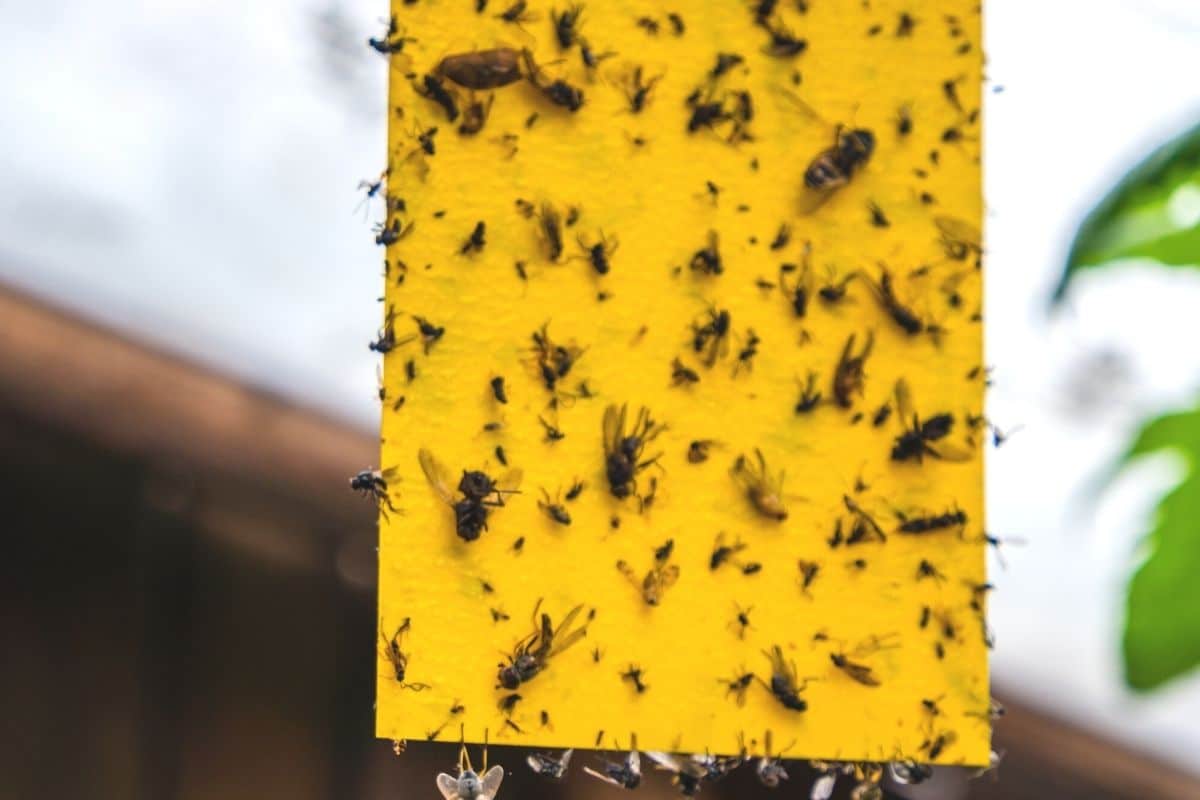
769	768
478	494
808	573
599	253
432	88
549	765
554	509
859	672
566	25
392	41
833	168
737	686
901	314
761	488
661	576
707	260
481	70
625	447
810	396
710	338
398	658
531	654
850	373
557	91
922	438
634	675
469	785
686	772
625	774
476	241
554	360
931	522
638	89
784	685
374	484
697	452
863	527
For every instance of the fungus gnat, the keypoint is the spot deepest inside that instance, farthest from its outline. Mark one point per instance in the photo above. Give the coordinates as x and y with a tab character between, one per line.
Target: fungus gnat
553	509
624	774
921	438
762	489
710	336
398	658
784	686
738	686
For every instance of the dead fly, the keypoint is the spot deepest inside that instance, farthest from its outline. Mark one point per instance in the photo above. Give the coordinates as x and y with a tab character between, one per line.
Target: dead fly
931	522
432	88
392	40
922	437
398	658
707	260
864	528
517	14
554	361
624	449
784	685
960	239
799	293
550	228
566	25
935	745
741	620
686	773
554	509
878	218
745	356
761	488
532	653
549	765
481	70
683	375
723	552
784	43
710	338
901	314
737	686
430	334
637	89
576	489
497	384
834	289
626	774
833	168
904	122
598	254
649	25
926	569
808	573
557	91
479	493
553	434
475	115
387	235
590	58
706	113
810	396
769	768
634	675
508	703
849	374
697	452
475	242
373	483
861	672
469	785
662	574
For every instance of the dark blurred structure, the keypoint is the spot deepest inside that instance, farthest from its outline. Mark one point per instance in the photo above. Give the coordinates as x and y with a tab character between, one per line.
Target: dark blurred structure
187	595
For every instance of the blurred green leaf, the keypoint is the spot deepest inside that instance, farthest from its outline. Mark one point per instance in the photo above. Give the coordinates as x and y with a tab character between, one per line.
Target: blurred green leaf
1162	620
1136	219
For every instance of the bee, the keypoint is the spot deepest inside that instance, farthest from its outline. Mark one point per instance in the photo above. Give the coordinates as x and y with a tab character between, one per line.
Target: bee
557	91
479	494
737	686
554	509
398	658
531	654
901	314
833	168
638	90
959	238
769	768
374	484
808	573
810	396
548	765
922	437
470	785
849	373
432	88
634	674
598	254
707	260
762	489
662	574
710	339
625	774
697	452
624	450
784	685
554	360
931	522
566	25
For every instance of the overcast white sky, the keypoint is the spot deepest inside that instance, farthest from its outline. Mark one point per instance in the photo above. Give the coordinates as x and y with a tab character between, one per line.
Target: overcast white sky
236	245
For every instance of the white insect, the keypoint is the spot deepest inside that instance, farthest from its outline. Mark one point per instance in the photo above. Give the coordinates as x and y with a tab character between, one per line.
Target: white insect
469	785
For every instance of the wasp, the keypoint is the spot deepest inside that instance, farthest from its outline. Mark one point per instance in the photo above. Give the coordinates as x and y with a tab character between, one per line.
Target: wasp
901	314
549	765
662	574
864	527
707	260
810	396
554	510
624	450
374	484
598	254
784	685
470	785
554	360
479	494
737	686
566	25
711	337
922	437
634	675
531	654
432	88
849	373
398	658
769	768
833	168
697	452
932	522
637	89
557	91
761	488
625	774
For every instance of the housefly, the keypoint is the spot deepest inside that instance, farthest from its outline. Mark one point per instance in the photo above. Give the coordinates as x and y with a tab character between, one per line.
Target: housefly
784	685
531	654
625	774
625	447
470	785
549	765
849	374
662	574
477	493
922	438
761	488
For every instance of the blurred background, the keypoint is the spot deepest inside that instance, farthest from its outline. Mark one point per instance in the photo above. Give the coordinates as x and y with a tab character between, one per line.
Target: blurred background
186	294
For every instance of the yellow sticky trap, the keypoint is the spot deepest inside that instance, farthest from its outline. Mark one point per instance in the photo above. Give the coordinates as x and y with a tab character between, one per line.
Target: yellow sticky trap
886	634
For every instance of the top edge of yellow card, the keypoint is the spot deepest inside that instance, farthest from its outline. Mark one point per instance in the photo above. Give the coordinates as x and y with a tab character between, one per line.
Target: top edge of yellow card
682	402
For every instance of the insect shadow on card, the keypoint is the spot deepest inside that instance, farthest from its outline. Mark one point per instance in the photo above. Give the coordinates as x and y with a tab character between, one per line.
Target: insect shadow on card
397	657
468	784
477	493
531	654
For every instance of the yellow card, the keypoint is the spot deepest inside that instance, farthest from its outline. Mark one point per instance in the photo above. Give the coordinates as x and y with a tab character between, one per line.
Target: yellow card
683	389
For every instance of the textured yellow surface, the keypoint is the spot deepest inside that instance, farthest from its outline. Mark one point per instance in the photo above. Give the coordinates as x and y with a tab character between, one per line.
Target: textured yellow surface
652	198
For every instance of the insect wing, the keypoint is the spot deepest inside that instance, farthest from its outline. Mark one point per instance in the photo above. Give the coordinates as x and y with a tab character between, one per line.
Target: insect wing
448	786
510	481
949	452
614	426
603	777
904	405
491	782
668	575
822	788
958	231
437	475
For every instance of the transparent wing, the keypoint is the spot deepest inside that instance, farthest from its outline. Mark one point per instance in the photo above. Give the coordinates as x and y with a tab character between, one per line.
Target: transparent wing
668	575
665	760
437	475
904	404
448	786
629	574
614	424
491	781
960	231
822	788
950	452
602	776
566	759
510	481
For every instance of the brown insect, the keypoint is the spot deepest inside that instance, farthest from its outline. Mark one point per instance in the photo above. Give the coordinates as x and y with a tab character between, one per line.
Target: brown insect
849	374
662	574
762	489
